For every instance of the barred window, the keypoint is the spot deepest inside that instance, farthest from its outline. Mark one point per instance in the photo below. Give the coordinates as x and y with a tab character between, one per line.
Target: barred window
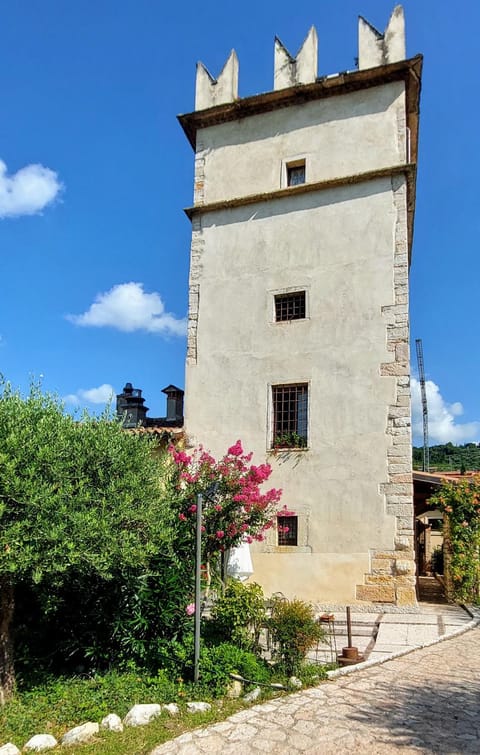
290	407
290	306
287	527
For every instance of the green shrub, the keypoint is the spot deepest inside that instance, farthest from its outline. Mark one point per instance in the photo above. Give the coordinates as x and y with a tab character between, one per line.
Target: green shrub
216	663
219	661
238	615
311	673
294	631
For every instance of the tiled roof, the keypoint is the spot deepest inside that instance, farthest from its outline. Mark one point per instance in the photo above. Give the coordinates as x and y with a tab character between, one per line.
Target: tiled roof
437	478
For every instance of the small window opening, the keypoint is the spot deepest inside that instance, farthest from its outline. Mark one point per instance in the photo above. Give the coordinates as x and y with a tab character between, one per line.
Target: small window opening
296	173
287	527
290	306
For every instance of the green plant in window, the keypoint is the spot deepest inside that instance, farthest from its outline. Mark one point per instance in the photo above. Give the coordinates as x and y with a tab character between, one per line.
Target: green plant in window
289	440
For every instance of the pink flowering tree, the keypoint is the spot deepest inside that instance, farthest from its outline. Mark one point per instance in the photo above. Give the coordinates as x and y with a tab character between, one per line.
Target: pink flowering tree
235	508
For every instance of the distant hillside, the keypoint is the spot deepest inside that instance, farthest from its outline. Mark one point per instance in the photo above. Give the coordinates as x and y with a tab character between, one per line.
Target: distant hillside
449	457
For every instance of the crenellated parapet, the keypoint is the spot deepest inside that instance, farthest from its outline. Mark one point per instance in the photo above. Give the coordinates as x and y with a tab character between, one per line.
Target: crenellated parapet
301	69
375	49
210	91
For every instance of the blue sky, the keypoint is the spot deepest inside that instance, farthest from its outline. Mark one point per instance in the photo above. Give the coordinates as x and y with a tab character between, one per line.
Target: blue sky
95	171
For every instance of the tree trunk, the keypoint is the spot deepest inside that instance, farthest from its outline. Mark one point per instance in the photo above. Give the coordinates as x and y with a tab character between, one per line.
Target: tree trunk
7	671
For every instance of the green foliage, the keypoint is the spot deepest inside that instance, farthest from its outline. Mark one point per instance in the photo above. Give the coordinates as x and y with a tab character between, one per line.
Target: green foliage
73	494
449	457
81	503
294	630
311	673
460	502
219	661
239	614
69	701
289	440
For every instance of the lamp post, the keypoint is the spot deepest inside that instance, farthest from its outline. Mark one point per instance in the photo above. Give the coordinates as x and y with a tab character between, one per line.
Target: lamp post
207	496
198	567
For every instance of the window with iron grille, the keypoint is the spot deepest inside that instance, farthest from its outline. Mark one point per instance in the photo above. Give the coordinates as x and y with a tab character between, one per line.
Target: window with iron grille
290	306
296	174
287	527
290	407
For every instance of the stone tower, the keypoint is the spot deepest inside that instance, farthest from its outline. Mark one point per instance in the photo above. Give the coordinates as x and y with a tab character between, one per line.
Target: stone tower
298	336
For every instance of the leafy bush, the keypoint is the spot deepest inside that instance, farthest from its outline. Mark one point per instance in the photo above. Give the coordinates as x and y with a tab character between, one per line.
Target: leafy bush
238	615
216	663
460	502
219	661
294	631
89	624
311	673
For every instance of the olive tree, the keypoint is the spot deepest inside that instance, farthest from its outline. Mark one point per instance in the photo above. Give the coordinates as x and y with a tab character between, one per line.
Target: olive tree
75	494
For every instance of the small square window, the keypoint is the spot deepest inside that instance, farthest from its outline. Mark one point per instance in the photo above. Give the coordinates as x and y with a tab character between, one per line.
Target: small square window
290	306
296	174
287	528
290	415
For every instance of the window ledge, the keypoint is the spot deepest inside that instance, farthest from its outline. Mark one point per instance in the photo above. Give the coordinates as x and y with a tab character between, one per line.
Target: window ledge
282	449
287	549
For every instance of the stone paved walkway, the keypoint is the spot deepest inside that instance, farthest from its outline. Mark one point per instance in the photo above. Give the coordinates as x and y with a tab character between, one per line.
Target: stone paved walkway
427	701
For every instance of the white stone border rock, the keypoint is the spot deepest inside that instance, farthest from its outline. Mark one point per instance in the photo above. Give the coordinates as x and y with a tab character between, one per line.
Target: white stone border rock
138	715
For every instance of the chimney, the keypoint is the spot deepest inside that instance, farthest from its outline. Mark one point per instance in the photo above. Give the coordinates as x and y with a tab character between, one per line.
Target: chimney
174	403
130	406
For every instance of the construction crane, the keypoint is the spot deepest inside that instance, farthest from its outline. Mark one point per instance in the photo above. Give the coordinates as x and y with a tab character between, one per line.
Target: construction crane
421	373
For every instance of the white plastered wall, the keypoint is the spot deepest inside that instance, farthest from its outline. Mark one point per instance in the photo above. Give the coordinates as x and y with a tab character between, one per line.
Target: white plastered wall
338	245
338	136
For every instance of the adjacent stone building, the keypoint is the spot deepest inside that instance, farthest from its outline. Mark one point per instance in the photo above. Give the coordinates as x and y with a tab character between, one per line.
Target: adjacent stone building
298	336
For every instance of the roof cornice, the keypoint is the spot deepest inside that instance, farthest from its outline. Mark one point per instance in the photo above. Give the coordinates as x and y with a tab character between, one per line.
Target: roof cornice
327	86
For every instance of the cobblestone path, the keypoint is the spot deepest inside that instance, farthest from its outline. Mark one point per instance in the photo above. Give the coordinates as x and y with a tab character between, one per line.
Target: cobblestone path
425	702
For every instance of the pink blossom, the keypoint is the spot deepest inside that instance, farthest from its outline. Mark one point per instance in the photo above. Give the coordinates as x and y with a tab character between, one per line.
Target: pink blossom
220	534
182	517
236	450
249	539
190	609
218	507
192	508
179	457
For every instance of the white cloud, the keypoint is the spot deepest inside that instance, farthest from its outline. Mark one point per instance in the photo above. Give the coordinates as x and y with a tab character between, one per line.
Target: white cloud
101	395
128	308
442	426
27	191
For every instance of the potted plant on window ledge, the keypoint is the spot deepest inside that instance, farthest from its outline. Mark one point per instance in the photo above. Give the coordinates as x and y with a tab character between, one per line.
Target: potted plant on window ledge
289	440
